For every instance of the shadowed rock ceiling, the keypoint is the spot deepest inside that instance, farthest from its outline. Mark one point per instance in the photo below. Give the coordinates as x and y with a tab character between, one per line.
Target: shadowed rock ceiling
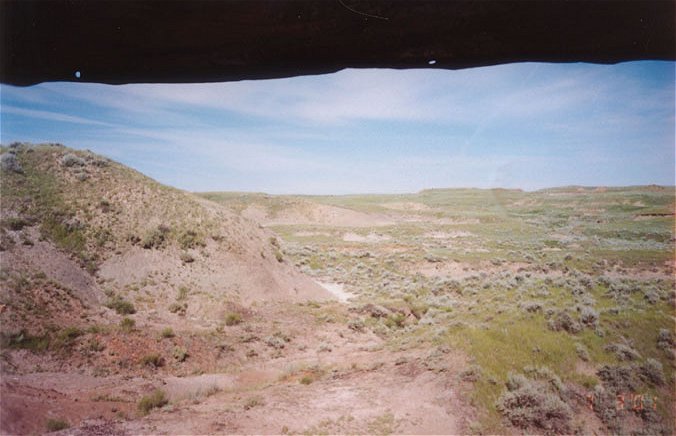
207	41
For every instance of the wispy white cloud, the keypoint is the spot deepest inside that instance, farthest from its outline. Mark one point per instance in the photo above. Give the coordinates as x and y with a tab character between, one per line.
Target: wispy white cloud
52	116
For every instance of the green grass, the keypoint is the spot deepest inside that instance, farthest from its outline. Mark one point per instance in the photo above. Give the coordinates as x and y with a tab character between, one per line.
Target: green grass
56	425
506	347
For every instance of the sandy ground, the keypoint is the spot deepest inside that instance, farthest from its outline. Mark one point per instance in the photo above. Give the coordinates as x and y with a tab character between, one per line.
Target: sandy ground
337	290
357	386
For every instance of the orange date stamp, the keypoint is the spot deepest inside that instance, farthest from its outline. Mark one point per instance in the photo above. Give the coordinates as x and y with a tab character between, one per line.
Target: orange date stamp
628	401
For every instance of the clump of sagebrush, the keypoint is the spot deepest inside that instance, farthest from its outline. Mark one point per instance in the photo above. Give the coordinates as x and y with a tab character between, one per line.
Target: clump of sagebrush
471	374
652	296
167	332
180	354
253	402
589	316
623	351
233	318
24	340
121	306
71	160
664	339
178	308
652	372
356	324
56	425
155	238
605	406
532	306
14	223
562	320
127	324
190	239
155	400
619	378
66	337
153	360
582	352
9	163
186	258
536	403
277	340
395	320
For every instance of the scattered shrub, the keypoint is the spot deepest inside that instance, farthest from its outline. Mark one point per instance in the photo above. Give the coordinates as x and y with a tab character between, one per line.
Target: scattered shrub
623	351
155	400
121	306
15	223
396	320
153	360
471	374
70	160
233	318
532	306
618	378
306	380
167	332
589	316
155	238
253	402
95	346
531	403
279	256
24	340
179	308
66	337
374	310
652	372
652	296
356	324
186	258
563	321
189	239
278	340
9	163
182	293
105	206
127	324
605	407
180	354
56	425
582	352
664	339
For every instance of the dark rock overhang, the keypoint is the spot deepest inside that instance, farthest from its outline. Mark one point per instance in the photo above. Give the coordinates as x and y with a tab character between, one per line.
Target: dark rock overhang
206	41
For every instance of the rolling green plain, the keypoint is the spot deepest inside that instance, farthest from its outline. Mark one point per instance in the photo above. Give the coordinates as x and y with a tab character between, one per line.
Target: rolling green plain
562	300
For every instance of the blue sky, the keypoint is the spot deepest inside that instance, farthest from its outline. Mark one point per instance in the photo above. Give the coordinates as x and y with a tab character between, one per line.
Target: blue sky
525	126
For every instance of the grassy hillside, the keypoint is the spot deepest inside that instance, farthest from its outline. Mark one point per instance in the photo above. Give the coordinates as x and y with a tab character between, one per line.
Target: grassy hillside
131	237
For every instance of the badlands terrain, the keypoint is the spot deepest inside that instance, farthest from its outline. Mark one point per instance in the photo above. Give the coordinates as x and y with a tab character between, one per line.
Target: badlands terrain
129	307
